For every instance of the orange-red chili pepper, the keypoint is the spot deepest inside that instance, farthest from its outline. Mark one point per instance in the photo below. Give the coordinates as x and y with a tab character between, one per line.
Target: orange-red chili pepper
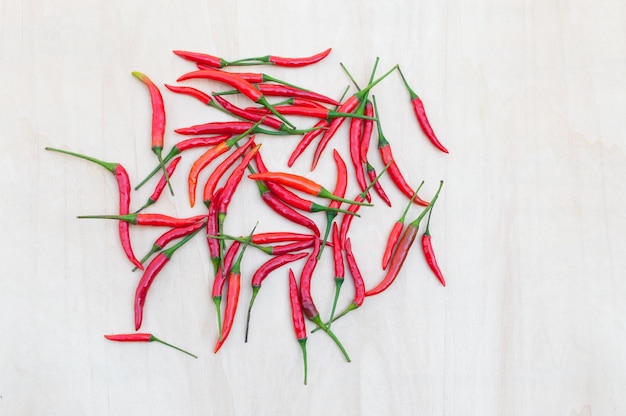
261	274
143	337
402	249
123	185
429	253
156	220
153	269
297	317
420	114
394	171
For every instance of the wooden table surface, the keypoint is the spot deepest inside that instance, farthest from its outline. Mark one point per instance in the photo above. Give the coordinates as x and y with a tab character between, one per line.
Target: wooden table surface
528	96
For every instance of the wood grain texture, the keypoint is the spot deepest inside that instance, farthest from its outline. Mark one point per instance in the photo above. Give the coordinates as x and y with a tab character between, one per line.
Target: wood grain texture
528	96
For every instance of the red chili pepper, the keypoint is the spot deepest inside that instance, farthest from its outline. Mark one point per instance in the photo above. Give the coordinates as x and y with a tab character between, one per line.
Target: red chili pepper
239	84
297	317
261	274
420	114
220	280
192	92
307	111
123	184
279	236
302	184
232	297
395	232
220	170
402	250
256	77
143	337
341	185
171	235
339	270
232	127
394	171
429	253
158	189
156	220
281	61
250	116
274	90
368	126
202	58
158	120
212	229
308	306
371	174
271	250
153	269
356	127
347	107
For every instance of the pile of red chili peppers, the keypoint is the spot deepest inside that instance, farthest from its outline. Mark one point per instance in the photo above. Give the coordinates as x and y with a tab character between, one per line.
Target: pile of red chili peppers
232	155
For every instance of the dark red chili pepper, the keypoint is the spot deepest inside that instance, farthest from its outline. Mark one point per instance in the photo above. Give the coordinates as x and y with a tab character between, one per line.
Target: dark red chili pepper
339	270
261	274
184	145
402	250
281	61
143	337
308	306
202	58
302	184
429	253
123	185
171	235
395	232
220	170
420	114
347	107
232	297
220	280
158	189
156	220
153	269
297	317
394	171
158	120
371	174
341	185
239	84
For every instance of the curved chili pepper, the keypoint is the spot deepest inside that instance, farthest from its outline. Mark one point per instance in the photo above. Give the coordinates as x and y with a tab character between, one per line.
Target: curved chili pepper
281	61
156	220
202	58
171	235
123	185
341	185
429	253
153	269
302	184
402	250
220	170
261	274
192	92
394	171
158	120
143	337
232	297
158	189
420	114
395	232
297	317
220	280
308	306
371	174
347	107
239	84
182	146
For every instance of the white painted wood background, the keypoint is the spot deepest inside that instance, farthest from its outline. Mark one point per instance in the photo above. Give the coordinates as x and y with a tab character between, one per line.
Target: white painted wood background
529	97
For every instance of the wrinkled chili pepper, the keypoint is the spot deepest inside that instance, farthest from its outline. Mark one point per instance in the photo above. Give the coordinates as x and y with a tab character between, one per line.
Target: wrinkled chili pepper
155	220
261	274
282	61
394	171
232	296
151	272
429	253
395	232
123	185
143	337
158	120
402	249
302	184
297	317
158	189
420	114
